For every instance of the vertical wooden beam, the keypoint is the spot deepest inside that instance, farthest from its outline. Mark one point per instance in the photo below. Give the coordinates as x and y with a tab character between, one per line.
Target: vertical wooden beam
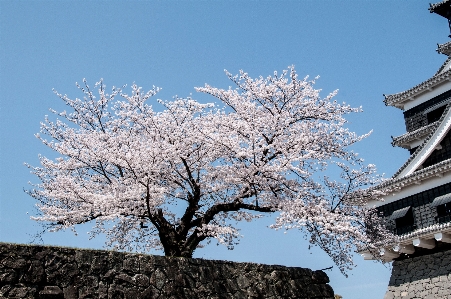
388	255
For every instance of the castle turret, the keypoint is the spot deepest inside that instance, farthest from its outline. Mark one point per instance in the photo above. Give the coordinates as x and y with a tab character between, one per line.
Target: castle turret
418	208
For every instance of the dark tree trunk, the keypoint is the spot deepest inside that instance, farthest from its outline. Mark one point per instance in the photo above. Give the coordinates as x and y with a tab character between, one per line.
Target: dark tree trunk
178	242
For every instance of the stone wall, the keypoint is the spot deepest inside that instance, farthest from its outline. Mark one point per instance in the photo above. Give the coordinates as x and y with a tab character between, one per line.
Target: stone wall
55	272
426	277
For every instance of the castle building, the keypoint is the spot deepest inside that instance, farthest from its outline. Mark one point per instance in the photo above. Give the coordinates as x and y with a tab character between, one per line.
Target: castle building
418	208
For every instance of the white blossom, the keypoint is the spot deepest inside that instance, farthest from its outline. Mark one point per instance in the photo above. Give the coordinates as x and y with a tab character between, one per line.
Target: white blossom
178	177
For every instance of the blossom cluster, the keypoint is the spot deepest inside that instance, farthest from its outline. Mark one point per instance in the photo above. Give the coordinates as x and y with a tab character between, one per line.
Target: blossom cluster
176	177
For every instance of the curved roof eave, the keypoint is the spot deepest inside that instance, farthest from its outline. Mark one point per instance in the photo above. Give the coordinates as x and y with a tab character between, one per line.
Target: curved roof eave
415	177
414	135
398	98
444	49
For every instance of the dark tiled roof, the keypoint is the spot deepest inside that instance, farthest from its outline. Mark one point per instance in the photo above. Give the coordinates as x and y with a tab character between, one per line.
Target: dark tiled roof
391	100
417	134
415	154
440	7
417	176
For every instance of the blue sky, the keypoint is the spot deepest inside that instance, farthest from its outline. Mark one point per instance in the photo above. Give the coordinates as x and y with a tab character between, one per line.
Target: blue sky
362	48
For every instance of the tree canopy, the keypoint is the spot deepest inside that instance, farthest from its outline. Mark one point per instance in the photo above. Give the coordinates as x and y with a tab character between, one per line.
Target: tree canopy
177	177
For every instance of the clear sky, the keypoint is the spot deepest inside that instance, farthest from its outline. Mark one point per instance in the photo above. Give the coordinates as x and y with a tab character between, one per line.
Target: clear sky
362	48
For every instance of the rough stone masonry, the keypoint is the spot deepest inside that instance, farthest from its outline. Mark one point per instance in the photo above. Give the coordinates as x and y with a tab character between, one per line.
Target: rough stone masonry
421	277
56	272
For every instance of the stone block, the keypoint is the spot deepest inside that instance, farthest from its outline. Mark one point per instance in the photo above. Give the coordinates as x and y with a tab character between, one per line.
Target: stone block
99	264
14	262
152	292
141	280
4	290
446	293
435	280
21	291
9	276
83	258
35	272
122	277
70	292
422	294
131	263
51	292
389	295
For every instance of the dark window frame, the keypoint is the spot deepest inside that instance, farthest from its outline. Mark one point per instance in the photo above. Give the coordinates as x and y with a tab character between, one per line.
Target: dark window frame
416	200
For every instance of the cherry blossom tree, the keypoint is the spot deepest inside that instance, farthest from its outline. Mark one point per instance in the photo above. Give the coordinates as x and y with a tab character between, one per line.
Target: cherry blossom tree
180	176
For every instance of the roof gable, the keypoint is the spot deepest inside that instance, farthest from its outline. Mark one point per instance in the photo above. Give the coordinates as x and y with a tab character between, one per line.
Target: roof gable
445	66
442	127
